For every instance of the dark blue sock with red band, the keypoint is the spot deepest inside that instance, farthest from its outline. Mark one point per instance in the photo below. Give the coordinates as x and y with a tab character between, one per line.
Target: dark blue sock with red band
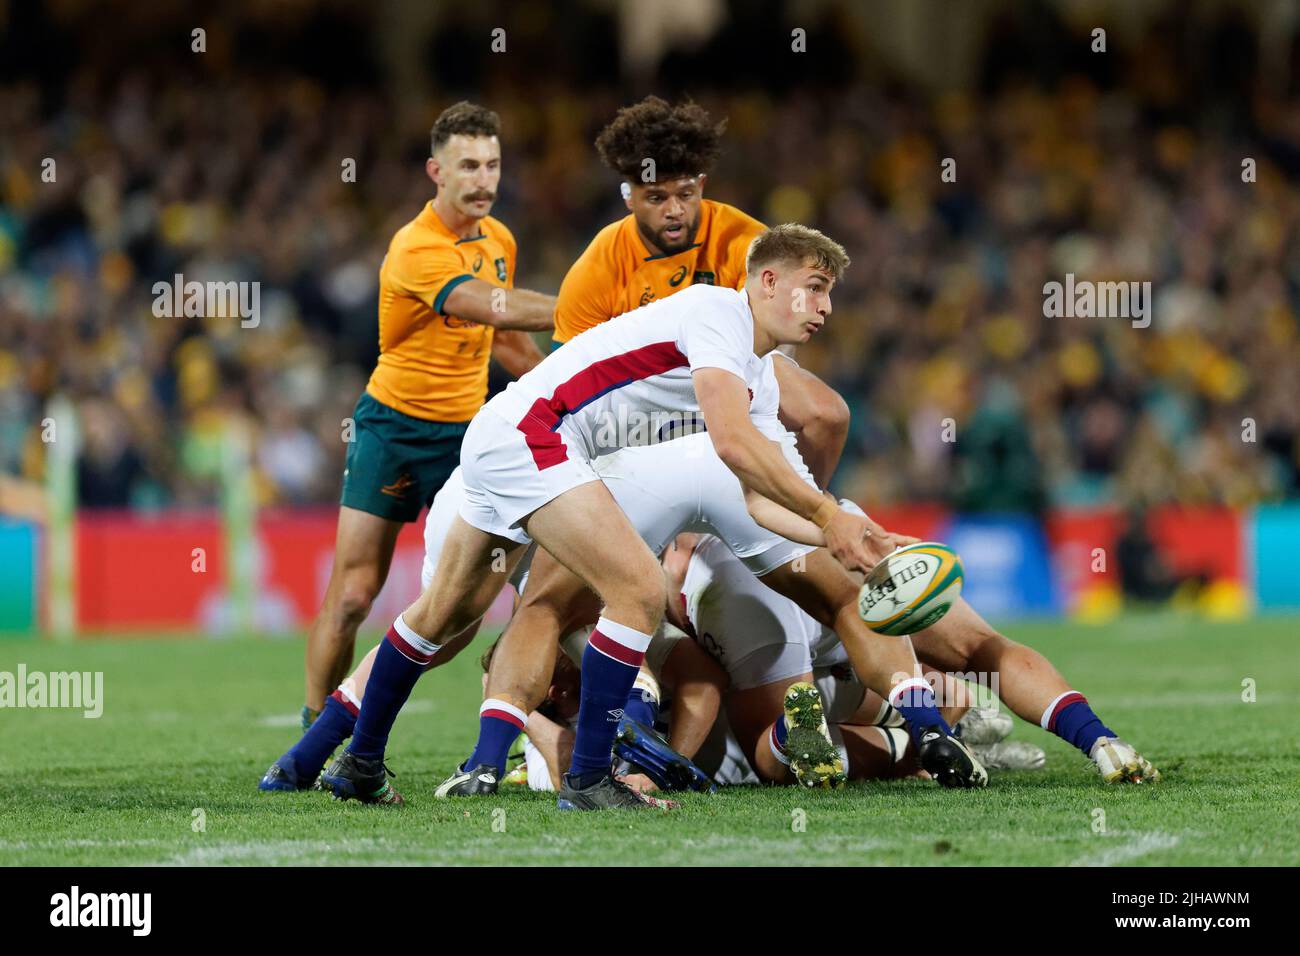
401	660
1071	719
609	668
914	699
499	723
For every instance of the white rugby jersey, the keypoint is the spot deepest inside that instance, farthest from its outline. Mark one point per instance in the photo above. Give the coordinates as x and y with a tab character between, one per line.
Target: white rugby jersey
735	614
628	381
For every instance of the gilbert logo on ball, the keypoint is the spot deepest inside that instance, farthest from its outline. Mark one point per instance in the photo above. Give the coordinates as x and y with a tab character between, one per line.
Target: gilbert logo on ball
911	588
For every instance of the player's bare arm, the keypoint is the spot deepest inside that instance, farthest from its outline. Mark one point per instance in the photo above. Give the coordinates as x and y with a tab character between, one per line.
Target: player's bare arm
697	685
760	465
789	525
724	403
782	520
521	309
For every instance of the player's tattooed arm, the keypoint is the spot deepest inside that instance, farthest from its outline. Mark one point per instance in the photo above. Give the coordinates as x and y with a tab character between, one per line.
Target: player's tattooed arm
516	351
816	414
760	464
500	308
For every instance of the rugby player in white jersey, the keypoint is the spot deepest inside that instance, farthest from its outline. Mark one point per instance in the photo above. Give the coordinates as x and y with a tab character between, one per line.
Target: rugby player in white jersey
527	468
681	485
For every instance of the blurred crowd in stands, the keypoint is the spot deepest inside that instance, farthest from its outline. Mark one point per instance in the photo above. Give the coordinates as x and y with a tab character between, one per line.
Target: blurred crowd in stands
961	390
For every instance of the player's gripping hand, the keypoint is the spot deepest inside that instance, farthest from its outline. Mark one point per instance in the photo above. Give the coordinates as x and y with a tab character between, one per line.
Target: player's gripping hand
849	540
884	543
880	543
896	541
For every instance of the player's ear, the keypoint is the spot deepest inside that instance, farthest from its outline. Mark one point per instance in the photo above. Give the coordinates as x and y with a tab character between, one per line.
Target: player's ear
433	170
700	180
625	188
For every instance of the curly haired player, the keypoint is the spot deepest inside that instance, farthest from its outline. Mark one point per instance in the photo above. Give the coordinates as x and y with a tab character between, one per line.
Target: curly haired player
674	238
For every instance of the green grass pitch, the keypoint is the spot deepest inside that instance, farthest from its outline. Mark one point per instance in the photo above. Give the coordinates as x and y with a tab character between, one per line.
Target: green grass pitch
167	775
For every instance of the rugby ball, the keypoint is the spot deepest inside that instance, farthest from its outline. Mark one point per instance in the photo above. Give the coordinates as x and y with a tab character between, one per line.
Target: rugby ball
911	588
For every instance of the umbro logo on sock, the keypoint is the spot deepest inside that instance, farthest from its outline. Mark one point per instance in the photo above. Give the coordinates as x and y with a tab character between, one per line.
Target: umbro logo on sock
616	714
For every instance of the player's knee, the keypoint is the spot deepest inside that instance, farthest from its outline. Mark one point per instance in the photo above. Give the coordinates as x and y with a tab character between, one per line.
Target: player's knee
653	597
980	641
356	597
831	415
645	597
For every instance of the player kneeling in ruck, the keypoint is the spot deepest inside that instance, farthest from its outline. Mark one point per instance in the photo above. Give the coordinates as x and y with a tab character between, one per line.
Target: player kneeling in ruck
781	664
